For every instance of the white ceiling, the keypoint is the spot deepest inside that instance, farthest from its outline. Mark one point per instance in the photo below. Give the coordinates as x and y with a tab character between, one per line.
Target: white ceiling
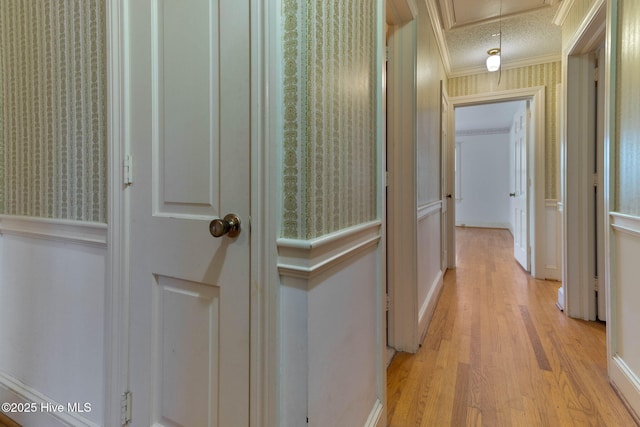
469	28
498	115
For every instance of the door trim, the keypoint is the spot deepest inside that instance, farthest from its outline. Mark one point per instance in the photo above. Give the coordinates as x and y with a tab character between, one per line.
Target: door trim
266	200
117	268
535	160
577	116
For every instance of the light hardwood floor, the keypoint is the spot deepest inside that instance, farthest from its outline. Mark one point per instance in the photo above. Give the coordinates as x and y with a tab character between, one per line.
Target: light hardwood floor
499	353
7	422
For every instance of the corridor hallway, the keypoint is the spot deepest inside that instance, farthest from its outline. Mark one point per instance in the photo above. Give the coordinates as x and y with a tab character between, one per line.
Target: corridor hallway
499	353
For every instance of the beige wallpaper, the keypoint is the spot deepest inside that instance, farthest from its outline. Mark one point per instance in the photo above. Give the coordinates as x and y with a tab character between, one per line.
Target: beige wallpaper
549	75
330	74
574	18
52	109
430	72
627	172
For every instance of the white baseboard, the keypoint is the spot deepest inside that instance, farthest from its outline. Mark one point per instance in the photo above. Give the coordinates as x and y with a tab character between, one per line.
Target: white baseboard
476	224
560	302
14	391
626	382
375	417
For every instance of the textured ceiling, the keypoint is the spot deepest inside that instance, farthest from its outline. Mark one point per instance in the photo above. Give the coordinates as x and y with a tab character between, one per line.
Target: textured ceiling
528	33
457	13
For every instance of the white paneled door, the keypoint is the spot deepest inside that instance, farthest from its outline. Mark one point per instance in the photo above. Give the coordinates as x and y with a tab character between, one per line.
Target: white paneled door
519	205
189	138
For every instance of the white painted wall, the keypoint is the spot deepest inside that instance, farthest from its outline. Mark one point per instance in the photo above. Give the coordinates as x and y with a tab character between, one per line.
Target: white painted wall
553	240
484	181
430	274
52	287
343	344
624	362
331	330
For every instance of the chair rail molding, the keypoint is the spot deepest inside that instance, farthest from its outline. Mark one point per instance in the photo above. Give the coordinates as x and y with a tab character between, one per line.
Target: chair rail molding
87	233
305	259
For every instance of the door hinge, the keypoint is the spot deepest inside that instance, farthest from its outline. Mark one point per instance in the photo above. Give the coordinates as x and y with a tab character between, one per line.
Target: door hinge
127	166
386	53
388	303
125	408
386	178
596	74
596	284
595	179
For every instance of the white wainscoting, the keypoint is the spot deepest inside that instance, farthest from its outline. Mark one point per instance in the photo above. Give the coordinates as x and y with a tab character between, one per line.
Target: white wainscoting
624	363
331	337
429	255
552	240
52	286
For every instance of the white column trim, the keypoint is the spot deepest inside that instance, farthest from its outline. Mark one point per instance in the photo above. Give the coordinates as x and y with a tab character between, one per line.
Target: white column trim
266	202
116	332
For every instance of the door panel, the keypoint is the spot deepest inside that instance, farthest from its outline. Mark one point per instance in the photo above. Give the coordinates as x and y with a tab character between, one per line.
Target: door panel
190	141
185	99
519	136
187	318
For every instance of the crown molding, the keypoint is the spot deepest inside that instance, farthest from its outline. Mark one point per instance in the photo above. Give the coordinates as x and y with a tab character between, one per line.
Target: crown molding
481	69
562	12
448	14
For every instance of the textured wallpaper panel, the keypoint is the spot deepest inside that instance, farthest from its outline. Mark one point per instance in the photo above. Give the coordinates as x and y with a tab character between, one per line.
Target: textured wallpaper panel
53	136
430	72
627	198
549	75
294	99
576	14
330	124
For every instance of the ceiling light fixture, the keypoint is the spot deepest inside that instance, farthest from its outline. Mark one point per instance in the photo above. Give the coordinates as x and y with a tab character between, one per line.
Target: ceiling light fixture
493	61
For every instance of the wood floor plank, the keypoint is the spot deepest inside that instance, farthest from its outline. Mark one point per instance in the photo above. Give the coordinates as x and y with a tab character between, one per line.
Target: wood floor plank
5	421
499	353
538	350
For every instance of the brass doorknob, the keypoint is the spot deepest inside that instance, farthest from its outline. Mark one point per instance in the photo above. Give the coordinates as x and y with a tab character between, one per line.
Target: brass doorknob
229	225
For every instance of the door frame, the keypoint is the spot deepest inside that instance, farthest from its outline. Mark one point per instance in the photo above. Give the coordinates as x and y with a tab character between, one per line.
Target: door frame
535	160
117	268
576	177
265	199
447	184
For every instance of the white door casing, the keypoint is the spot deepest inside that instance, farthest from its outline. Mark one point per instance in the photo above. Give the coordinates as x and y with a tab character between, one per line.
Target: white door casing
599	187
519	140
446	186
536	97
190	132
